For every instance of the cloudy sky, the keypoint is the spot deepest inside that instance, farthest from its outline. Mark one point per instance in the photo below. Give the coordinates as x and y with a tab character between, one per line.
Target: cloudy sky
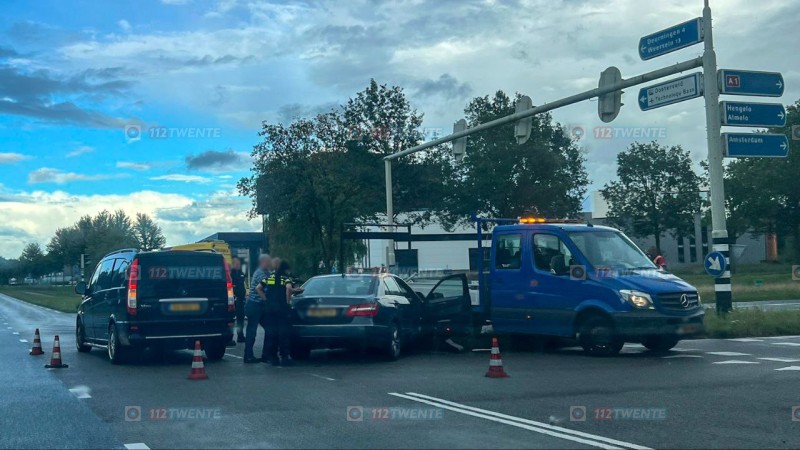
154	106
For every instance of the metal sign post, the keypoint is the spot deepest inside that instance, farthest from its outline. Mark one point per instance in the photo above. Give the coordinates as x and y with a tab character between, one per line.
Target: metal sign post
719	233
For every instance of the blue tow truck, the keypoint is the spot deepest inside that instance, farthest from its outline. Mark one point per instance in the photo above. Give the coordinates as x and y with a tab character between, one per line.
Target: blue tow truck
576	280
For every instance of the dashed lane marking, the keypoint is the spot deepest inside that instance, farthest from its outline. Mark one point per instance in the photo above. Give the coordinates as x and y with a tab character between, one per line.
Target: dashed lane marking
727	354
137	446
322	377
745	340
736	361
685	350
789	368
783	360
23	340
233	356
681	356
788	344
16	333
81	391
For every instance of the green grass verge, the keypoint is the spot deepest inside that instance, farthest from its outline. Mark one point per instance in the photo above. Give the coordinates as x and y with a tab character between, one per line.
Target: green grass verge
751	323
751	283
60	298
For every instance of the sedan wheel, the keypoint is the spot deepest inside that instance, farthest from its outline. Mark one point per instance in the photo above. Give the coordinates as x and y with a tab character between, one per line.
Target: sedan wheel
395	346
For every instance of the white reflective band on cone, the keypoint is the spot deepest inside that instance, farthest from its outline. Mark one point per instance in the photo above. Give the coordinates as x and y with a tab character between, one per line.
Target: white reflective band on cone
197	364
56	355
495	351
495	362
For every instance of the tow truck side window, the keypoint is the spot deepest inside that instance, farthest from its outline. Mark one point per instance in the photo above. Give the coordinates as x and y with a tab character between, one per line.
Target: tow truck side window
545	248
508	255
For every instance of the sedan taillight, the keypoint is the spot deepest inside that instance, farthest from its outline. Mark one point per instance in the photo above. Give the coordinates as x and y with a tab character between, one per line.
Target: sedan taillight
363	310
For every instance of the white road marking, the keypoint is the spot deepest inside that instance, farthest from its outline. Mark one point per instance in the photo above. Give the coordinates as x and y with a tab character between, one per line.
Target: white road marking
16	333
788	344
736	361
233	356
539	427
783	360
81	391
789	368
681	356
137	446
320	376
782	337
481	349
23	340
745	340
685	350
728	354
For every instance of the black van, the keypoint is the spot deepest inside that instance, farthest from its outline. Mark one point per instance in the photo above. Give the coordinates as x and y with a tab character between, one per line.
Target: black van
161	298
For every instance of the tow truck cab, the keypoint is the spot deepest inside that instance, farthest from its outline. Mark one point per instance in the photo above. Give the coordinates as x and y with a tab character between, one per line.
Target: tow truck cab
587	282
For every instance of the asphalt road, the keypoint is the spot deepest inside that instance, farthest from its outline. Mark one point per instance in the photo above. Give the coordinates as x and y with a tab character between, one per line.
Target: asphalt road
708	393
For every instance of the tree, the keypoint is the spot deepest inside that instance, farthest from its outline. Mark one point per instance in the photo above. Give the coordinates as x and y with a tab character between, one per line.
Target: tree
763	194
32	261
320	173
500	178
147	233
657	191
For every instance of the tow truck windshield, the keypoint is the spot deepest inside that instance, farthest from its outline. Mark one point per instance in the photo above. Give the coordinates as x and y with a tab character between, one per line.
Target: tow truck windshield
610	249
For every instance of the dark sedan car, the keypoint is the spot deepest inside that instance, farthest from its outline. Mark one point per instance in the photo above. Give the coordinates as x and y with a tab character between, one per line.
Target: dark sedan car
377	311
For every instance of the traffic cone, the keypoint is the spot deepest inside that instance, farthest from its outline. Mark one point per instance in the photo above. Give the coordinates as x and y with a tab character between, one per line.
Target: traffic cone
55	360
37	344
496	363
198	369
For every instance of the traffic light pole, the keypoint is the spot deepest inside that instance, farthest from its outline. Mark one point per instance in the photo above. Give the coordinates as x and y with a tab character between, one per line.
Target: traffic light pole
719	233
597	92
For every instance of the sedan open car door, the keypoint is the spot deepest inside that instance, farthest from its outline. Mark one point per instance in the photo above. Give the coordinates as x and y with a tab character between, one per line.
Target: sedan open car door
447	306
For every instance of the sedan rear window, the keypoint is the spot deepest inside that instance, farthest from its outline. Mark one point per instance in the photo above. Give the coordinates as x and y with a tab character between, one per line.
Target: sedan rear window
347	285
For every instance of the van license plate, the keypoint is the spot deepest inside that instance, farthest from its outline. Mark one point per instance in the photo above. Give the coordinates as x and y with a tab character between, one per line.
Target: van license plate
184	307
321	312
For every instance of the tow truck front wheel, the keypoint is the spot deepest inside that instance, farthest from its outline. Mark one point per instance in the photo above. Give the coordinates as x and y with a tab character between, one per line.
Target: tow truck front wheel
598	337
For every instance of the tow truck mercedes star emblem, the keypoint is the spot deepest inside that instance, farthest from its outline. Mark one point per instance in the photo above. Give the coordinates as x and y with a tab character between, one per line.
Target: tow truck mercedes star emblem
684	300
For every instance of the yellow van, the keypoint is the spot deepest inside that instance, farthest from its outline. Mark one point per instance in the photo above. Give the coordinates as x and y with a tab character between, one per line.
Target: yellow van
221	247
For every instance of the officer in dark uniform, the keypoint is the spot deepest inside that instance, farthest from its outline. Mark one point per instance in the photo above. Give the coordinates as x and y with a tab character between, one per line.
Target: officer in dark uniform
278	289
239	294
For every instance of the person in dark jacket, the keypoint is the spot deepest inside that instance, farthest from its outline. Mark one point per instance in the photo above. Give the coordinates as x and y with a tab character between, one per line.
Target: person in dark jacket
239	294
277	291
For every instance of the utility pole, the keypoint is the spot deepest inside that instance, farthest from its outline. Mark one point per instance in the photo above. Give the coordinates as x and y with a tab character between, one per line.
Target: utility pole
719	233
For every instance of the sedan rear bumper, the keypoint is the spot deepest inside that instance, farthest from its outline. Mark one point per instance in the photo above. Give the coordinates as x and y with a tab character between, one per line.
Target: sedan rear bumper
342	335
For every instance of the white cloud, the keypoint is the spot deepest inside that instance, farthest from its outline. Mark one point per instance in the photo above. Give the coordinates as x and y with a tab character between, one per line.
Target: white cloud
80	151
10	158
182	178
175	2
124	25
38	214
57	176
133	165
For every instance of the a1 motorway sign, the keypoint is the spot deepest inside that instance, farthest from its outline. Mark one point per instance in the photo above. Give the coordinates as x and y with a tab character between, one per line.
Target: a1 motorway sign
673	38
672	91
748	82
743	114
755	145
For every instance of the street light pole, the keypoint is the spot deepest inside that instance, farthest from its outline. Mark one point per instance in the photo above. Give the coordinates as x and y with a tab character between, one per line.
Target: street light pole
719	233
389	211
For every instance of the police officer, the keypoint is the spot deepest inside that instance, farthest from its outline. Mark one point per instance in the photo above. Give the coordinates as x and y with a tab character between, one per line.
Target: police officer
239	294
254	308
277	289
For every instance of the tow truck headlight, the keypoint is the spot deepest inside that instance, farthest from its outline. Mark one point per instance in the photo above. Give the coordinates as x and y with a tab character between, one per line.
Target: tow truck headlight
638	299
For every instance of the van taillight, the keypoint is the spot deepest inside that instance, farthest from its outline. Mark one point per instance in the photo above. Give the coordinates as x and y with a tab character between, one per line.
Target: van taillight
231	303
363	310
133	283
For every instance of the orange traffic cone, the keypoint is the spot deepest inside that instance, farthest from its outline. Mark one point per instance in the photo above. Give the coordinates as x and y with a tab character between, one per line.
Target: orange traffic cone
55	360
37	344
496	363
198	369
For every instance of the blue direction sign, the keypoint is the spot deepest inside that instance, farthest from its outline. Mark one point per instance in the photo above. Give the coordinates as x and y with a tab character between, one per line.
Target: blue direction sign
671	39
672	91
715	264
756	145
742	114
748	82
